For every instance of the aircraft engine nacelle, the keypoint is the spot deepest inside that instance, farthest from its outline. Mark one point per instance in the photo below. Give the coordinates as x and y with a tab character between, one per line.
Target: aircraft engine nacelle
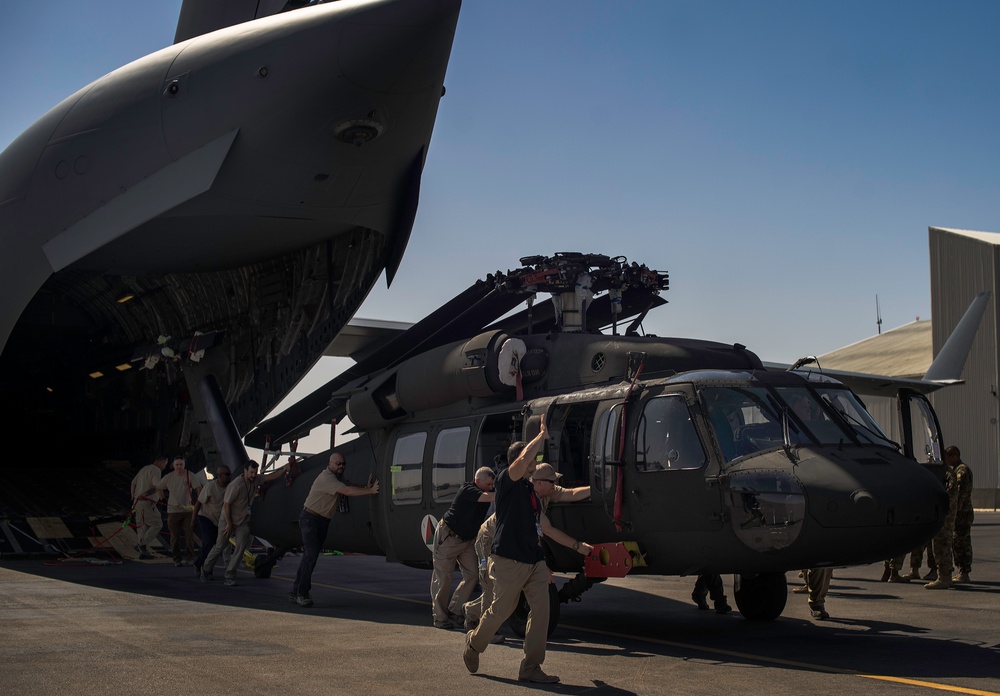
436	378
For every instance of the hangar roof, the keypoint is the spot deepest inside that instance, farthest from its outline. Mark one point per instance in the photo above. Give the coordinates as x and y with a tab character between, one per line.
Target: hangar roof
988	237
905	351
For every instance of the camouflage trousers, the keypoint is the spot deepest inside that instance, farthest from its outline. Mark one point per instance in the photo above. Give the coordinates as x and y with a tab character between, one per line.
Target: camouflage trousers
962	545
917	556
942	550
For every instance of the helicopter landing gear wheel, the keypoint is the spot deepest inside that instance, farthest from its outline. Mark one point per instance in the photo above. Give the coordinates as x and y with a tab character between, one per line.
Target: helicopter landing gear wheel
262	566
761	597
519	619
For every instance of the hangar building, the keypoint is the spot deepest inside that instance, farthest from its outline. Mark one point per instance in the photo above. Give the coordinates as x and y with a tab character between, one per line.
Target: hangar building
962	264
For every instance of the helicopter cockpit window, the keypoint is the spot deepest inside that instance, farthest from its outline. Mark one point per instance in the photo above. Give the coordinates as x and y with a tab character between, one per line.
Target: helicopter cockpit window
450	455
816	419
407	458
846	404
666	438
748	420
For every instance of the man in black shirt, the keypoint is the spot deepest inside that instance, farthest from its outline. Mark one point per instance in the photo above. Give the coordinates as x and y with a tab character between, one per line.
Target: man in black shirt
517	563
453	540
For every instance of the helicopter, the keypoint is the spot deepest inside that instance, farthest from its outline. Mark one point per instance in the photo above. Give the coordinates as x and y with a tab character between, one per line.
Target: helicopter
699	458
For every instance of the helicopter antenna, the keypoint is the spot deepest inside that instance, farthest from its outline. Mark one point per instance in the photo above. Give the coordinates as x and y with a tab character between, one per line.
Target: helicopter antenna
878	316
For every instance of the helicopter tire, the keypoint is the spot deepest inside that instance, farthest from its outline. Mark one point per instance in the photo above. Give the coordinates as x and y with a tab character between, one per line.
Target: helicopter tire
761	597
518	621
262	567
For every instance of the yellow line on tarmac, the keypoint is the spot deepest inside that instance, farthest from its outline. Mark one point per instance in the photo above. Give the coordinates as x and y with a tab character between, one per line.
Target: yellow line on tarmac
699	648
931	685
791	663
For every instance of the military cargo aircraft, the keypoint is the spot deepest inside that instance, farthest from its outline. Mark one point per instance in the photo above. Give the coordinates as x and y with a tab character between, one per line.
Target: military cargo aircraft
699	459
221	206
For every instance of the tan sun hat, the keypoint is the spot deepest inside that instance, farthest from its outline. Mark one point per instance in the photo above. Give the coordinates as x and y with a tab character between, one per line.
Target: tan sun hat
545	472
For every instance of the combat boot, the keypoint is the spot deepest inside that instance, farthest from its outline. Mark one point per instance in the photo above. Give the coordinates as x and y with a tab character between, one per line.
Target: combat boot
939	584
931	575
914	574
819	613
885	575
700	601
961	577
896	577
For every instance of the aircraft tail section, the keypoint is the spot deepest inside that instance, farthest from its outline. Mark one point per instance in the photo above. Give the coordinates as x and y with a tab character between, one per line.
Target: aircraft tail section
950	361
204	16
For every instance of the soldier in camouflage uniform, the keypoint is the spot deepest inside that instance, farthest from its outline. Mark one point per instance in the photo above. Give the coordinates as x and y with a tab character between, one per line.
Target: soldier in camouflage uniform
942	542
962	540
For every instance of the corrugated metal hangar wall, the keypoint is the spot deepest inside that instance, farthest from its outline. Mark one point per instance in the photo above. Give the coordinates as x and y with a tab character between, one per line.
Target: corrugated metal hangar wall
962	265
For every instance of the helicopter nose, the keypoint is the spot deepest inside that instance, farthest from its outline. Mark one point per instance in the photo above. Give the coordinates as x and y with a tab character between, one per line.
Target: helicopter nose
888	490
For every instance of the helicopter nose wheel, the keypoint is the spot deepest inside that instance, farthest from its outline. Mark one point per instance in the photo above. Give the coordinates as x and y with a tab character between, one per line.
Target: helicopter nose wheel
518	621
761	597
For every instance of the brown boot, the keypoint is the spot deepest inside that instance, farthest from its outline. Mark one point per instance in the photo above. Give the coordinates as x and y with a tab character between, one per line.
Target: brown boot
939	584
896	577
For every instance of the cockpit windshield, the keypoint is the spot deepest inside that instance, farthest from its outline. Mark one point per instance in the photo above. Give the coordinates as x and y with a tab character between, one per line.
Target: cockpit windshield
748	420
846	405
752	419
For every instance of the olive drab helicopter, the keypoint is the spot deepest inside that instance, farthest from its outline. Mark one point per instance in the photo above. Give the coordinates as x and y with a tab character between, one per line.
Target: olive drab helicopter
699	458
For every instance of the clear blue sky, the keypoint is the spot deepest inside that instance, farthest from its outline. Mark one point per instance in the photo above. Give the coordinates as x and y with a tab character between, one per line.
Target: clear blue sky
781	160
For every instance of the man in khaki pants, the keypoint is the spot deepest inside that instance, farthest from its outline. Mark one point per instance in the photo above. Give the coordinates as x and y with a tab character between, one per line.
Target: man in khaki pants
517	563
453	544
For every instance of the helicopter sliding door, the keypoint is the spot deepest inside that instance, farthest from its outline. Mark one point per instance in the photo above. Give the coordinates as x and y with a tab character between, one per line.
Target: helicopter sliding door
428	463
570	427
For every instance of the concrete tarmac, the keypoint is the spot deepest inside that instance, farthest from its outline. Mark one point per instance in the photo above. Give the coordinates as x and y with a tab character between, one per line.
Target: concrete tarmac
151	628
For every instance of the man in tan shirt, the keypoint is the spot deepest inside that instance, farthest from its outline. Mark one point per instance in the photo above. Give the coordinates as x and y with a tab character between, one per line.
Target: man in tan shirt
314	520
181	486
235	521
207	512
148	521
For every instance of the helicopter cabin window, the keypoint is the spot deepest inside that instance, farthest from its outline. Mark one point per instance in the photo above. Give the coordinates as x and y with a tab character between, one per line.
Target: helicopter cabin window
405	470
666	438
450	454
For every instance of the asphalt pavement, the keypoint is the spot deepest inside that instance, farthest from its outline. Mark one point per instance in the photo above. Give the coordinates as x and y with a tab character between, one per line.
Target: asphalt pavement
152	628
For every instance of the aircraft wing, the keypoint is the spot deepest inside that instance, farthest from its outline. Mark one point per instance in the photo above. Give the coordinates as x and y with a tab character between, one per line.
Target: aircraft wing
361	336
868	384
199	17
944	371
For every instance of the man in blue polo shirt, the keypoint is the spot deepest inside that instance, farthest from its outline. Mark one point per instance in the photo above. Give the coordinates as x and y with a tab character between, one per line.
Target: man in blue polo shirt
517	563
